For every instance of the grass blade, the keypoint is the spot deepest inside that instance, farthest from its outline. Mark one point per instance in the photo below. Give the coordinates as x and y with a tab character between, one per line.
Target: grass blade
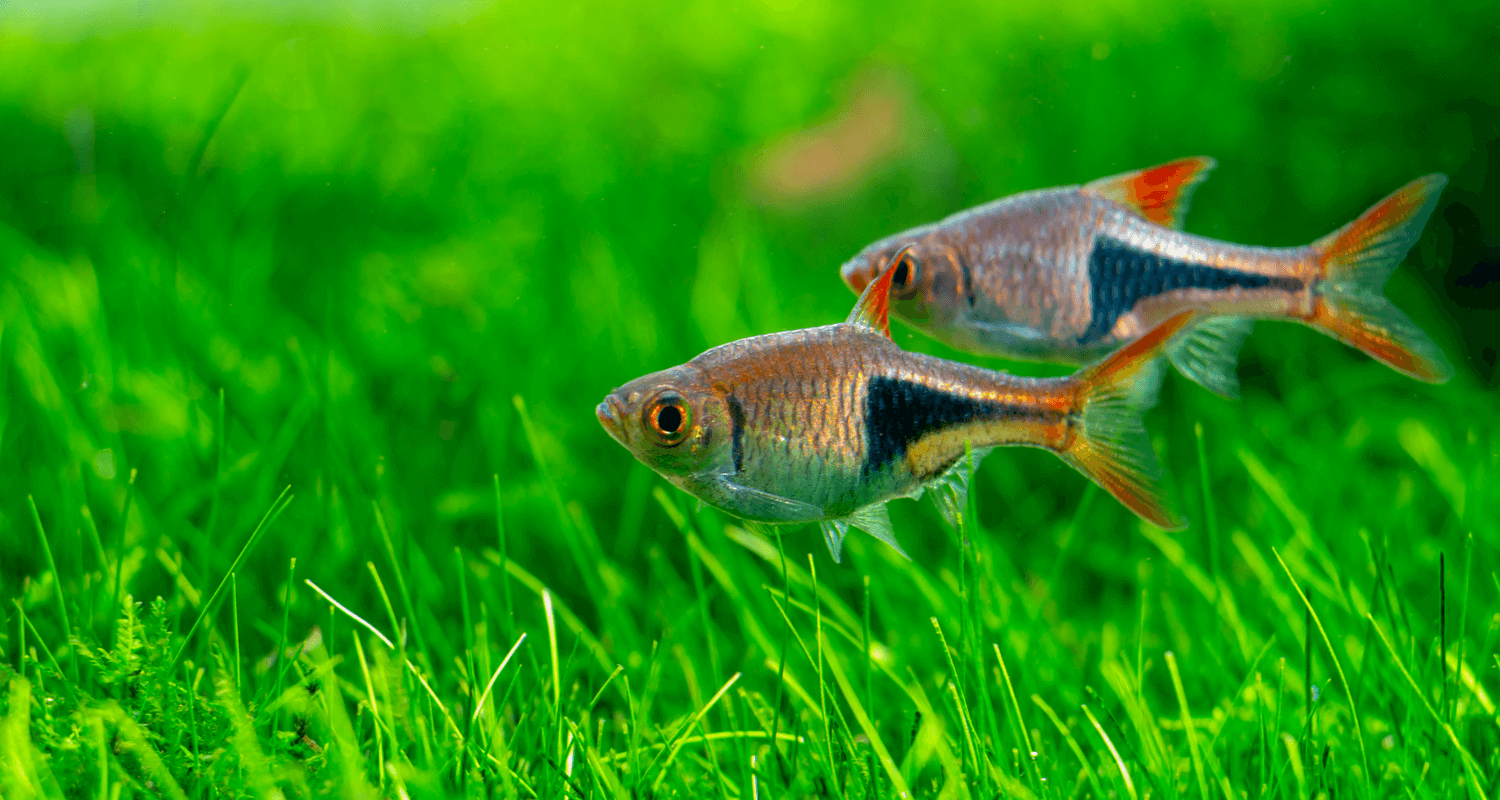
357	618
411	614
1471	768
282	501
1359	731
1187	723
135	738
1119	762
675	743
556	679
62	605
479	706
510	614
1015	707
871	732
25	624
1088	769
114	599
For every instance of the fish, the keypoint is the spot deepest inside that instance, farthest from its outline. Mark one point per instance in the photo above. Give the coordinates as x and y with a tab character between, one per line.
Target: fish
1070	273
827	425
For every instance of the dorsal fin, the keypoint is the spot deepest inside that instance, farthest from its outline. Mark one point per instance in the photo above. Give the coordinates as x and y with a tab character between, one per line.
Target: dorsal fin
874	306
1161	193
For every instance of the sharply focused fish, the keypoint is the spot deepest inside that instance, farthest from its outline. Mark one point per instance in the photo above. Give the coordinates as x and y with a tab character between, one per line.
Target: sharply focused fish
1067	274
827	424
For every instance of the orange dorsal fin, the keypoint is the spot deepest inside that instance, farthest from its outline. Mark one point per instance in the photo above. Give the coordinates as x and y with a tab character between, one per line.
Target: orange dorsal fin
874	307
1161	193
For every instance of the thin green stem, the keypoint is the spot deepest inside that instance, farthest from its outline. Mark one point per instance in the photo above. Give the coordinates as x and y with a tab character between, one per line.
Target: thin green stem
120	551
62	605
282	501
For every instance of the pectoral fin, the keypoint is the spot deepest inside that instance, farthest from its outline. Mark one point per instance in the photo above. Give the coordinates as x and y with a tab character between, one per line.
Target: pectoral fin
757	504
1006	331
834	531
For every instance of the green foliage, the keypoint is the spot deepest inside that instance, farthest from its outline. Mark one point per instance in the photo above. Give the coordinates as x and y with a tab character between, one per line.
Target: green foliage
302	324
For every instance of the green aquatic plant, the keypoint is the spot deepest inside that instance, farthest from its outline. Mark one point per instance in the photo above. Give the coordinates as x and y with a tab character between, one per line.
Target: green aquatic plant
303	322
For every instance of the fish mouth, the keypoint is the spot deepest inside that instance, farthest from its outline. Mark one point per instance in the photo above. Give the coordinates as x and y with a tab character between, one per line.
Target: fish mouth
610	417
856	273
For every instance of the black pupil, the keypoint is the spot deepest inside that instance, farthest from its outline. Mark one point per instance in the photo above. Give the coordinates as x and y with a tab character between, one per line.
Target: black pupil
669	419
901	274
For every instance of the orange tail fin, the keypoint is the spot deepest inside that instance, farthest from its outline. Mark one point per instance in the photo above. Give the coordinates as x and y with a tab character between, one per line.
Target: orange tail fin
1111	446
1357	261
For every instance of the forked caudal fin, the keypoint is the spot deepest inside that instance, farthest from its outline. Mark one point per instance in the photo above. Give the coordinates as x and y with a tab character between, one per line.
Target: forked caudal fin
1357	260
1110	444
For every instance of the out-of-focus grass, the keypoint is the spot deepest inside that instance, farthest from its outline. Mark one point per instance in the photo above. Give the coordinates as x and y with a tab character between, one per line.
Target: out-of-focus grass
376	265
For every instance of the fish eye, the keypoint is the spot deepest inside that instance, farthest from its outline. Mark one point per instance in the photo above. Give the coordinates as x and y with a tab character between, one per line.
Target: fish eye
669	418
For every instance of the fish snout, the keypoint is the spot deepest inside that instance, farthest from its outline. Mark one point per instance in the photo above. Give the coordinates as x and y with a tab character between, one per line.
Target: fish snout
858	272
610	417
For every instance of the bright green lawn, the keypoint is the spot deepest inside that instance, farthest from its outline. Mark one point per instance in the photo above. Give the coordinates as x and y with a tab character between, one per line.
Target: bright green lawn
281	301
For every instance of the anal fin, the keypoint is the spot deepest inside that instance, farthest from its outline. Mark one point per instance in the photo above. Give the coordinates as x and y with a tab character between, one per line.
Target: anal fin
872	519
876	521
1208	354
950	491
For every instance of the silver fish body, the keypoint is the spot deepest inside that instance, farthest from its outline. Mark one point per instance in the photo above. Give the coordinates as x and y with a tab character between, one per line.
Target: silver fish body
828	424
1067	274
838	417
1018	276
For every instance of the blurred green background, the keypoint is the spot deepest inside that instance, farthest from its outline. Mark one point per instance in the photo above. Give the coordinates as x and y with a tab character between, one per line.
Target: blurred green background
362	228
372	228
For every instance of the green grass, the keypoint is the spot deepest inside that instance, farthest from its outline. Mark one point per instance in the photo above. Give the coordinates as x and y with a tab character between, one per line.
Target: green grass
304	323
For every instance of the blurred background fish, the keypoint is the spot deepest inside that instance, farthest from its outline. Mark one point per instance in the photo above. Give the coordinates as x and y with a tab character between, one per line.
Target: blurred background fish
1064	274
839	154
